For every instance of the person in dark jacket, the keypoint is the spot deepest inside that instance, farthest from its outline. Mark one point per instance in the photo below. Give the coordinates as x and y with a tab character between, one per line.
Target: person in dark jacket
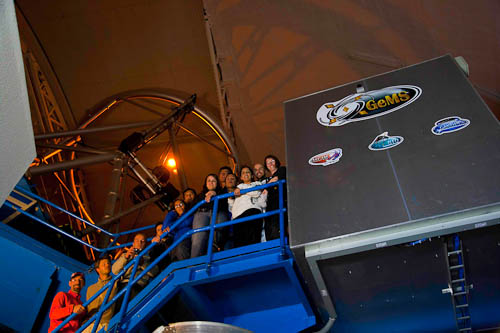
278	172
189	195
183	250
203	215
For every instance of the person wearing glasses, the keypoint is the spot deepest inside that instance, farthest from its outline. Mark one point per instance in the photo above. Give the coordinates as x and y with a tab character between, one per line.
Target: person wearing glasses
278	172
183	250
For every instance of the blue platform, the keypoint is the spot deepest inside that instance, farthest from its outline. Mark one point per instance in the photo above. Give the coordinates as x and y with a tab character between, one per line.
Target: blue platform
256	287
251	287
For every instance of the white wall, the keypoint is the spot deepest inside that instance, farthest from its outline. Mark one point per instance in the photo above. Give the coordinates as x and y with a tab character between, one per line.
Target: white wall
17	147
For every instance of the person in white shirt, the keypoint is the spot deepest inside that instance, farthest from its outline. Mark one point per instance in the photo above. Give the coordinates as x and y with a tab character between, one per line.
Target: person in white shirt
243	205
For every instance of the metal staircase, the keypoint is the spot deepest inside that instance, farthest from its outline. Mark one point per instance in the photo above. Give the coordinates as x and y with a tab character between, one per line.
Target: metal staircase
256	287
458	286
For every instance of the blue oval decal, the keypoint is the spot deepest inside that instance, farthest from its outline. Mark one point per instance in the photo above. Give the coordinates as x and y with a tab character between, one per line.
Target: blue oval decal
450	124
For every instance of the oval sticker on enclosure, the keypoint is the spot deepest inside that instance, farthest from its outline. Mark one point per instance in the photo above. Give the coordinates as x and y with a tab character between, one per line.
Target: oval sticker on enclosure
385	141
367	105
450	124
328	157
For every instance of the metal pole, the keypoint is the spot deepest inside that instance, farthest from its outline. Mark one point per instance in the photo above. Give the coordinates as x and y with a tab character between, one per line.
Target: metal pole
151	183
92	130
215	68
144	107
282	219
211	236
114	188
10	205
124	213
122	195
78	149
180	166
186	129
97	110
39	170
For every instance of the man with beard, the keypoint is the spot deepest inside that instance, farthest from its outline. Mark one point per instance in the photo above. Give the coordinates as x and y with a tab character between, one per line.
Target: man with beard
65	304
260	173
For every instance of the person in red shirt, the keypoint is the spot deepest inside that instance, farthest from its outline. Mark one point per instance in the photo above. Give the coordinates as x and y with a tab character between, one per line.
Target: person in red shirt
65	304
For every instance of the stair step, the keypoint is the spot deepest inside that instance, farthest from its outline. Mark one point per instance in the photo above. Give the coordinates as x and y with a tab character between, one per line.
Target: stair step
462	306
456	267
463	318
458	280
465	329
454	252
460	293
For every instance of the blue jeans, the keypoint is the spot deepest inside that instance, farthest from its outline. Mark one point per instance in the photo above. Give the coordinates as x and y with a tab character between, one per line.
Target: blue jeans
199	240
181	251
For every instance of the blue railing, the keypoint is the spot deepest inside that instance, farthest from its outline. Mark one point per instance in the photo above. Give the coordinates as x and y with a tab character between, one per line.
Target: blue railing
125	292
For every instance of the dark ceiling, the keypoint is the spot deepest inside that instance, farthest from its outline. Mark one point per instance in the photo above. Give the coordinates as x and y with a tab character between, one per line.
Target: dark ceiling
267	52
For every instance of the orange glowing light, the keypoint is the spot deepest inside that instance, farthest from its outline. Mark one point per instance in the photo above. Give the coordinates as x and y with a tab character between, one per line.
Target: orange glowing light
171	163
175	171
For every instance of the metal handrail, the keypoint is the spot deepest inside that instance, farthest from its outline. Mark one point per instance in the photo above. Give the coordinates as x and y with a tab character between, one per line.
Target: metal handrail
135	262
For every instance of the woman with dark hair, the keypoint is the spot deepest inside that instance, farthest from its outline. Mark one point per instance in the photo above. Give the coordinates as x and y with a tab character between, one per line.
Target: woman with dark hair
243	205
211	188
181	251
278	172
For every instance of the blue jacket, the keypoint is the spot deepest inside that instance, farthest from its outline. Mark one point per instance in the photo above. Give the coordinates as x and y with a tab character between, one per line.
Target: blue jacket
182	228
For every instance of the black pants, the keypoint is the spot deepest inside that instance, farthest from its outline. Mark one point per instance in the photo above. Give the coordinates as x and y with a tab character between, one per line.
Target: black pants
249	232
272	225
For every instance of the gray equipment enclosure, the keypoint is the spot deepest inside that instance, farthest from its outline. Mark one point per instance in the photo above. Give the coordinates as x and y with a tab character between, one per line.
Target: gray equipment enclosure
434	173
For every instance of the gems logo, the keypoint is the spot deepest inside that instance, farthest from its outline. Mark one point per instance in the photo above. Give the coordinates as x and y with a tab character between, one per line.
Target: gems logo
367	105
385	141
328	157
450	124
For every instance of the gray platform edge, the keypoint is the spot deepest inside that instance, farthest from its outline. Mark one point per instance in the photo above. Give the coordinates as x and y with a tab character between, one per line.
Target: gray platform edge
471	219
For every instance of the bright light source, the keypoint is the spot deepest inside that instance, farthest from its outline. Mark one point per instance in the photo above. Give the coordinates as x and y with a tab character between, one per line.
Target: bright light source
175	171
171	163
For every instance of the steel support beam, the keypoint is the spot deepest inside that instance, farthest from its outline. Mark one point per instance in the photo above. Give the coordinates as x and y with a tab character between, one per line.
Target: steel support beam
77	149
113	193
39	170
93	130
132	209
177	155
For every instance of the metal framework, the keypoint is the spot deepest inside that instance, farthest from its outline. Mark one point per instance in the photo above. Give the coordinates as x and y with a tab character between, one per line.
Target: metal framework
49	117
142	173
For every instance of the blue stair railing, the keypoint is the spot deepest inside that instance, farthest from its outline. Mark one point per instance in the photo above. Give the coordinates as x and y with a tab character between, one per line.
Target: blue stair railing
125	292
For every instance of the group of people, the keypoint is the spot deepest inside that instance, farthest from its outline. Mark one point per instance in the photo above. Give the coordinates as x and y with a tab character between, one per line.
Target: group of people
239	206
67	303
241	234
